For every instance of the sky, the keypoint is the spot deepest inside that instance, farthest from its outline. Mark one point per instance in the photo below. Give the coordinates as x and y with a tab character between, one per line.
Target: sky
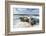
25	11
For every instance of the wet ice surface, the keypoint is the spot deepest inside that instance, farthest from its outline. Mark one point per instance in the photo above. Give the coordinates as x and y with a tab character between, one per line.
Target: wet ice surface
24	26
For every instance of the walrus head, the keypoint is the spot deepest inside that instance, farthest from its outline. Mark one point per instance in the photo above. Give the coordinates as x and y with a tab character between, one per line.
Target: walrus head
24	19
